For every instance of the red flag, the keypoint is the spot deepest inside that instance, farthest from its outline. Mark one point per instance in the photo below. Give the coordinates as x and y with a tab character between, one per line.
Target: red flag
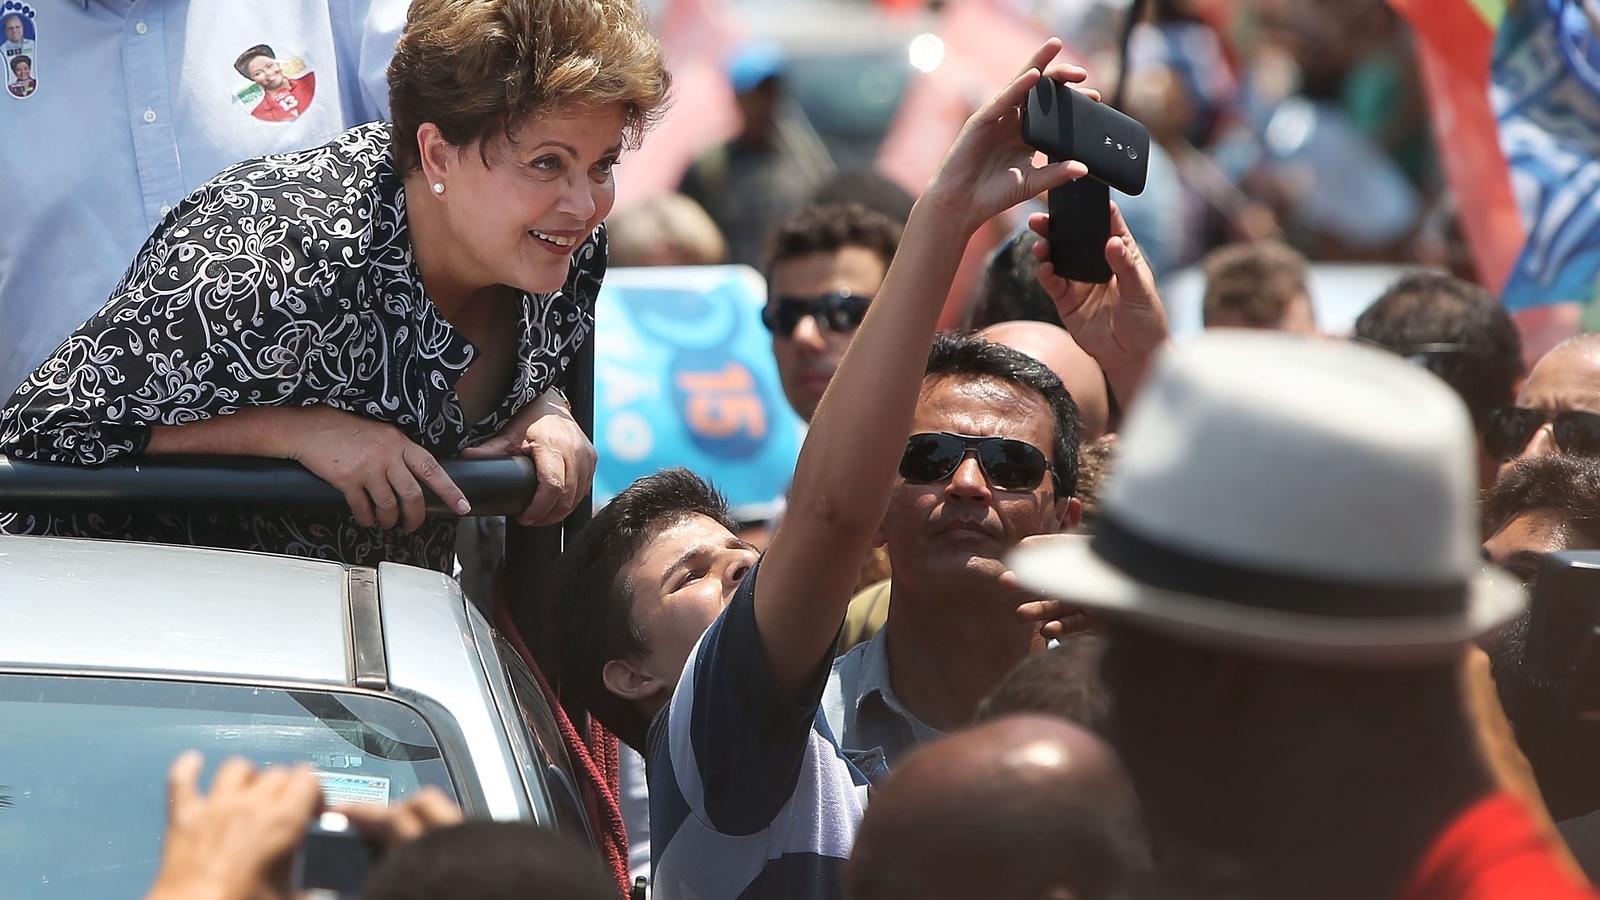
1454	46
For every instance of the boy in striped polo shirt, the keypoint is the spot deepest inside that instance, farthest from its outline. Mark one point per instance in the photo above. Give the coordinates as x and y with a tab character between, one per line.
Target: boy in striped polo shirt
750	793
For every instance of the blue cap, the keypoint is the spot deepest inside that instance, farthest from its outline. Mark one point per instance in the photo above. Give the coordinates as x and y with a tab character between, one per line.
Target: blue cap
754	63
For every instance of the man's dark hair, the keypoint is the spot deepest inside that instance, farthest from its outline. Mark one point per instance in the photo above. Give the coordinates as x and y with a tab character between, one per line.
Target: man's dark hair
871	189
1432	308
969	356
1063	681
1254	281
595	607
1011	288
490	861
1095	459
829	228
242	64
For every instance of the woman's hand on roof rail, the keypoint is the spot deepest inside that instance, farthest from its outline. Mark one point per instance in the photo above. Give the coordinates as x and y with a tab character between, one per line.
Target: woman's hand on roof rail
379	470
546	432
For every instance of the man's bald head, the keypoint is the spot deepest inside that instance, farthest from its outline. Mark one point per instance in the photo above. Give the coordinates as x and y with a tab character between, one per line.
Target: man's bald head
1025	807
1567	378
1053	346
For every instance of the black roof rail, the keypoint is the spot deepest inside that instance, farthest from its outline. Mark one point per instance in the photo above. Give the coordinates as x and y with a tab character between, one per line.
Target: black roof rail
494	487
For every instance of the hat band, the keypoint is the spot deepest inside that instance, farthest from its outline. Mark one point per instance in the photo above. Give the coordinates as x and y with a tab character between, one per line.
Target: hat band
1167	569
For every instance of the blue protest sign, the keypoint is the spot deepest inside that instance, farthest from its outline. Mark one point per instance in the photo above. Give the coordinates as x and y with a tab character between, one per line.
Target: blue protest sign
684	376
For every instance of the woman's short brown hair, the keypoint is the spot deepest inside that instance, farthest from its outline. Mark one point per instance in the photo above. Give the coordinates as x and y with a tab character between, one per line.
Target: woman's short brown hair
475	68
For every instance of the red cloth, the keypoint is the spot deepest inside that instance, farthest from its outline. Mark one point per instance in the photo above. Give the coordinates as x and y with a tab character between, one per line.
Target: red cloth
1494	851
286	106
596	760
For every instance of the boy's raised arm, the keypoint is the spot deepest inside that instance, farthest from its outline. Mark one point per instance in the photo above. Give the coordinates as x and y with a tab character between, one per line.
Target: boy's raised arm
852	451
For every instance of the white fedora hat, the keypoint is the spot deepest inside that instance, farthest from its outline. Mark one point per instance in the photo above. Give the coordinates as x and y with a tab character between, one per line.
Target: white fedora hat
1297	498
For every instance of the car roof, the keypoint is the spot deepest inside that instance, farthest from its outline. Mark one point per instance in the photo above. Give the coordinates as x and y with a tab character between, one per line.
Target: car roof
106	605
116	608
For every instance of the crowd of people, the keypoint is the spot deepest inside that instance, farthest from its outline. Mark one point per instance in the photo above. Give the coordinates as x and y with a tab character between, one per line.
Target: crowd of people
1055	608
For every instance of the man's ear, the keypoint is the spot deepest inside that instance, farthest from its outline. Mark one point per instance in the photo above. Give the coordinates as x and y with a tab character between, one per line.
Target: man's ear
1068	514
629	682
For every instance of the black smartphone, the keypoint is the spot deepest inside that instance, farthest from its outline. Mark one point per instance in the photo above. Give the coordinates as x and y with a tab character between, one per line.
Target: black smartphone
1064	124
333	857
1080	224
1564	630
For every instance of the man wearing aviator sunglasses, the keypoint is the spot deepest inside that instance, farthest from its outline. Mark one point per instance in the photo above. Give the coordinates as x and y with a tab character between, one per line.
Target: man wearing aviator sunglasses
825	264
992	460
1558	408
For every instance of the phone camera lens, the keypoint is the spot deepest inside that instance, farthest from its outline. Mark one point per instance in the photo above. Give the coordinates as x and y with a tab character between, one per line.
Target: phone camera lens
1133	152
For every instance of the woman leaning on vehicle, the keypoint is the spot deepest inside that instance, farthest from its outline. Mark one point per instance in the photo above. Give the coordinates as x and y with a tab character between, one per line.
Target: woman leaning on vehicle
401	294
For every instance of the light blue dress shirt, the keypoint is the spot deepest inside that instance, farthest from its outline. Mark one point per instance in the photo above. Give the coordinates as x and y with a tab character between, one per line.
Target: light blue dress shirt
862	710
137	103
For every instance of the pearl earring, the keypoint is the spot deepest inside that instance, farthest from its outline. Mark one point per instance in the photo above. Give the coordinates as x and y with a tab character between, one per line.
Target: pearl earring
438	187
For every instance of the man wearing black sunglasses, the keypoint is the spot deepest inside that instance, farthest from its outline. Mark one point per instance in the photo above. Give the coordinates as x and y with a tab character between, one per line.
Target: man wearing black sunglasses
1557	410
992	459
824	265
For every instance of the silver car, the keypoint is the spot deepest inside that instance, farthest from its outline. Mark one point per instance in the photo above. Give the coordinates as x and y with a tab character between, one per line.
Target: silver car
115	657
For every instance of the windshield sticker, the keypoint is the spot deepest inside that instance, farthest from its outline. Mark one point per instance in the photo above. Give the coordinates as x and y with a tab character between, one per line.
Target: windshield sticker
19	49
340	787
280	89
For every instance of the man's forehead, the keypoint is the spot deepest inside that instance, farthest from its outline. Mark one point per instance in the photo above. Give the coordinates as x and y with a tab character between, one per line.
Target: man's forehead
690	532
980	406
1566	379
851	267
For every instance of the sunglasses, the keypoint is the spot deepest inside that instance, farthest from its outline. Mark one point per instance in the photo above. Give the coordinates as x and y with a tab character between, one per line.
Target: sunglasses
839	311
1441	358
1509	428
934	456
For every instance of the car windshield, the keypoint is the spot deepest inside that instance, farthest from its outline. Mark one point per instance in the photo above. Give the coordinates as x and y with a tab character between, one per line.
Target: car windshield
83	765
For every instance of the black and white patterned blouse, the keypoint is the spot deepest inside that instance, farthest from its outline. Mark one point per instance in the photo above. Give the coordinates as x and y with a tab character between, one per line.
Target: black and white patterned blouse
287	280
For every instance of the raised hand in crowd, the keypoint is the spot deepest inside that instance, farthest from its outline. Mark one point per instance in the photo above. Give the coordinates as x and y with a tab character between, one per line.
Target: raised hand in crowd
1120	323
390	826
236	843
845	471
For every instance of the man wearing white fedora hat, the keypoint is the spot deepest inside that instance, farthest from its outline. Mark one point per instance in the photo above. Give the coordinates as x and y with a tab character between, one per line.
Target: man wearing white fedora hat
1290	571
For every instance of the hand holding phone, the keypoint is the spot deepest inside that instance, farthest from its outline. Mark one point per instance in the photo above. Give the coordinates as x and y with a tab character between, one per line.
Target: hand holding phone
234	843
1065	124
